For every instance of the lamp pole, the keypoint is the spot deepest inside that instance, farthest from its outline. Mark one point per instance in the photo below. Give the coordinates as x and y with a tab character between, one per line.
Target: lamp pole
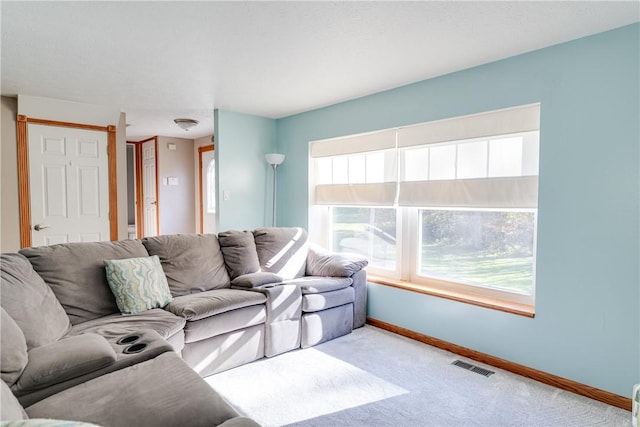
273	203
274	159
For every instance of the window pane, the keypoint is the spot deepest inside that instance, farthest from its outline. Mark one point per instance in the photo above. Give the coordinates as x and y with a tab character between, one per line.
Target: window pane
390	165
442	162
505	157
340	170
370	232
490	249
375	167
530	153
324	171
356	169
472	160
416	162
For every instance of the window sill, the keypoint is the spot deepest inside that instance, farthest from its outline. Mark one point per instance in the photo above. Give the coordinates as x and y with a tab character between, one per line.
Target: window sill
465	297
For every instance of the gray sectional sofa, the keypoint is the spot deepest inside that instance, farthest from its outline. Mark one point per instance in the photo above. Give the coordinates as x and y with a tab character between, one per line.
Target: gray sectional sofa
68	351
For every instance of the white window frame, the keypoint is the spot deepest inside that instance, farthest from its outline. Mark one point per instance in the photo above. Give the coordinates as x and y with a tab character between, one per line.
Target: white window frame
397	272
407	222
413	232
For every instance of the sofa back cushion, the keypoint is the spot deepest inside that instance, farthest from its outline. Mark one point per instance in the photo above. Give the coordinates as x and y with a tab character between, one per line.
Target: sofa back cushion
239	250
192	262
76	273
30	302
322	262
13	357
282	250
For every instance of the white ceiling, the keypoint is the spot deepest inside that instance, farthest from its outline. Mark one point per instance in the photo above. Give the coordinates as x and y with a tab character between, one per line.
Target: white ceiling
161	60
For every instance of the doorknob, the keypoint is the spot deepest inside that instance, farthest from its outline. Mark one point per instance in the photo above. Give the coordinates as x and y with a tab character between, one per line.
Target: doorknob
39	227
154	203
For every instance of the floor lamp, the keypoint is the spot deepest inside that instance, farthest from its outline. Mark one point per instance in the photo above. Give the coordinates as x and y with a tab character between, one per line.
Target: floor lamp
274	159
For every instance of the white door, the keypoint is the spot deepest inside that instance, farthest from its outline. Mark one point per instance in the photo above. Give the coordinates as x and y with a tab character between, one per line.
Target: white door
149	197
69	185
208	192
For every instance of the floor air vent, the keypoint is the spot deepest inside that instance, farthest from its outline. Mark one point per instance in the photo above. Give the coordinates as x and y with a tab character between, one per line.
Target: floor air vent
473	368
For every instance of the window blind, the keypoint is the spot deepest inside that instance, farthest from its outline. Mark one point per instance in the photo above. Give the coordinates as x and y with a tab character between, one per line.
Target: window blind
511	192
362	143
380	194
356	170
498	122
484	160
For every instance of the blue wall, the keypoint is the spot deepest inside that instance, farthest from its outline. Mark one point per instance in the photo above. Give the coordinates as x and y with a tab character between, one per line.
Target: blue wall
241	142
587	324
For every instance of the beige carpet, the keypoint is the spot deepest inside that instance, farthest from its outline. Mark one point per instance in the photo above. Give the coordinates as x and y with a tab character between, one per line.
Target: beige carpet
375	378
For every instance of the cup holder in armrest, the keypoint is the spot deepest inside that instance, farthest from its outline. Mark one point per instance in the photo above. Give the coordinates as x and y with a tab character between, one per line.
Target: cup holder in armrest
135	348
129	339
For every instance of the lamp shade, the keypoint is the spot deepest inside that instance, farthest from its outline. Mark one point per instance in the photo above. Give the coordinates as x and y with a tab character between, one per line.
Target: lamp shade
274	158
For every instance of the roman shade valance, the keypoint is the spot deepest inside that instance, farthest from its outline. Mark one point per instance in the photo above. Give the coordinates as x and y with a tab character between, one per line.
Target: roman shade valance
484	160
482	125
356	170
362	143
501	193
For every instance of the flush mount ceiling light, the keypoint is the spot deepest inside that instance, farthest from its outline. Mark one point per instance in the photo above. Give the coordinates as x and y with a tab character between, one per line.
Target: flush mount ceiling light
186	124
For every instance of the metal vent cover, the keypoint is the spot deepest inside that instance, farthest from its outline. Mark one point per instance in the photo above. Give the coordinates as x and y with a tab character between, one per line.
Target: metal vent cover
473	368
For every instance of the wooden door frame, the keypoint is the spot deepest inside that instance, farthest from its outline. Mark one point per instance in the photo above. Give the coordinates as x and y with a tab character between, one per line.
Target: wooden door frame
24	189
140	187
202	149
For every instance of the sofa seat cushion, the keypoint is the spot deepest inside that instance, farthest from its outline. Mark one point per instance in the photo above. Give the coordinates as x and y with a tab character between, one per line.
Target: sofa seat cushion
76	274
325	300
30	302
318	284
193	263
162	391
161	321
222	323
204	304
13	346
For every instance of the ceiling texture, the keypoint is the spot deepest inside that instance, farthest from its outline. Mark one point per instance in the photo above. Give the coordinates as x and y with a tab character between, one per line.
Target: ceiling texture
160	60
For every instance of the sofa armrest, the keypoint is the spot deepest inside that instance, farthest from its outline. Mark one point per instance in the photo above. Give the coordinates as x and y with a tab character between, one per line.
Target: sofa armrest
65	359
321	262
255	280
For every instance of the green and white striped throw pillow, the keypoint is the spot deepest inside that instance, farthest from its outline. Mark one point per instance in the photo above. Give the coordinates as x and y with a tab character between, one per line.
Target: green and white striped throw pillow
139	284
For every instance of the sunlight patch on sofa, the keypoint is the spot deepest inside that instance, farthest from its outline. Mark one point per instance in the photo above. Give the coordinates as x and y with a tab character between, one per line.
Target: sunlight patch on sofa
257	389
288	268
